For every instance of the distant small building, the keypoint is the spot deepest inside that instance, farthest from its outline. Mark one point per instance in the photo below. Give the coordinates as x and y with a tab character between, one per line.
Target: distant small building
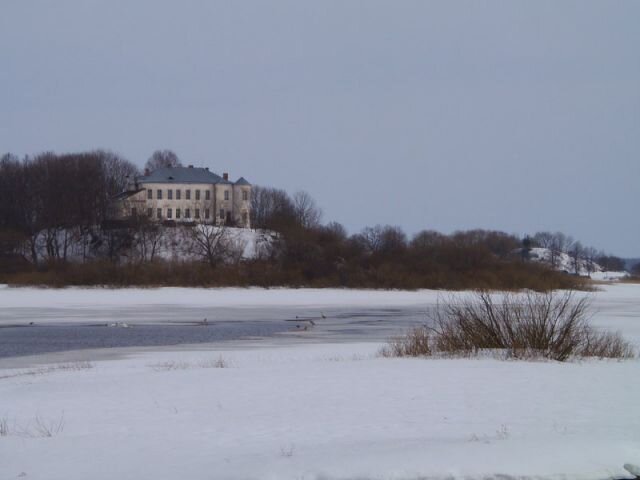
187	194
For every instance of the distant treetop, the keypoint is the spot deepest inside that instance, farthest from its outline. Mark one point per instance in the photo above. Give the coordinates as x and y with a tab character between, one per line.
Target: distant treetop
162	158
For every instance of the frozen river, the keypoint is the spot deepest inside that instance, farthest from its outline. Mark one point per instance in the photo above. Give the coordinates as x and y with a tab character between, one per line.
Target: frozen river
38	330
37	321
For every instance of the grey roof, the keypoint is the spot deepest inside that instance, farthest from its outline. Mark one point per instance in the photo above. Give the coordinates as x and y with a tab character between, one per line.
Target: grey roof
242	181
181	175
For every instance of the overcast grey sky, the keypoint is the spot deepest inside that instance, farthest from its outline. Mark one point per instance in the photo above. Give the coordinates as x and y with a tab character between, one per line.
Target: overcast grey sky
518	116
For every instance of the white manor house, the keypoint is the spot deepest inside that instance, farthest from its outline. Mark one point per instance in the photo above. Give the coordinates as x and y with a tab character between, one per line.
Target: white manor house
187	194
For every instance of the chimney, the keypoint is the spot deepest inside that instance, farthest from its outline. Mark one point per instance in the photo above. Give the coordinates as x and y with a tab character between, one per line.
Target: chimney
190	166
225	176
146	172
206	168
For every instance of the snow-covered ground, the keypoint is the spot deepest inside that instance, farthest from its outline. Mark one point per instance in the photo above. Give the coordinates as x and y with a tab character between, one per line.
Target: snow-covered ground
564	263
217	297
288	410
607	276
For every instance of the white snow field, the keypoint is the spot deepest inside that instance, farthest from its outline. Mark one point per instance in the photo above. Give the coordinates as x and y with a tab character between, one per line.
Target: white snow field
213	297
289	410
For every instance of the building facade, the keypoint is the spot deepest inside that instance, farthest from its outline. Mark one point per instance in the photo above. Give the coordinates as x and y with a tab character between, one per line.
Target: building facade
188	194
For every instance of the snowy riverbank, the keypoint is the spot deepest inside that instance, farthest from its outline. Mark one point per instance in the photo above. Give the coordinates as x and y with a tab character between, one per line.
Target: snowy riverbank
281	410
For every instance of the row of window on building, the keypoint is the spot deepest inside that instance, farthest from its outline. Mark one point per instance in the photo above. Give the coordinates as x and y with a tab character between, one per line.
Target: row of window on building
187	214
187	194
179	213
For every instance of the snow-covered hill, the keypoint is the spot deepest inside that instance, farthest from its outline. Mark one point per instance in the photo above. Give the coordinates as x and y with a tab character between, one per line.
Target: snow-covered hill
563	262
165	242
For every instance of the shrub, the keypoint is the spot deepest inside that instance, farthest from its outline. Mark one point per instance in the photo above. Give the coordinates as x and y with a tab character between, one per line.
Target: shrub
532	325
416	343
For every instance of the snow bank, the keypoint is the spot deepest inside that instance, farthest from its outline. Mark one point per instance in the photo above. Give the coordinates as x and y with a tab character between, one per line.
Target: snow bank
564	263
212	297
322	412
608	276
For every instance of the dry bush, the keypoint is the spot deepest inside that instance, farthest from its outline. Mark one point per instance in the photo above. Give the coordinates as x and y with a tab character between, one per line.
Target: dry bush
41	427
48	428
418	342
606	345
60	367
171	365
532	325
73	366
219	362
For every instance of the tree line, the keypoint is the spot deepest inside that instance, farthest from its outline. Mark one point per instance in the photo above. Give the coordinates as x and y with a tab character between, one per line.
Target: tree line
58	196
61	199
52	203
582	258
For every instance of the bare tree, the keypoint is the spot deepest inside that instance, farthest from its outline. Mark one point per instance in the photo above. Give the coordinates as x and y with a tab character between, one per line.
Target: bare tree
370	238
271	208
383	239
119	171
575	254
162	158
306	211
589	255
560	244
610	263
543	239
149	236
336	230
209	242
427	239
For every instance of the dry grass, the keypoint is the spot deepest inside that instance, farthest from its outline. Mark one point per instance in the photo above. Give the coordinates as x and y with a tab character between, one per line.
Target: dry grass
417	342
48	428
171	365
633	279
61	367
533	325
41	427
